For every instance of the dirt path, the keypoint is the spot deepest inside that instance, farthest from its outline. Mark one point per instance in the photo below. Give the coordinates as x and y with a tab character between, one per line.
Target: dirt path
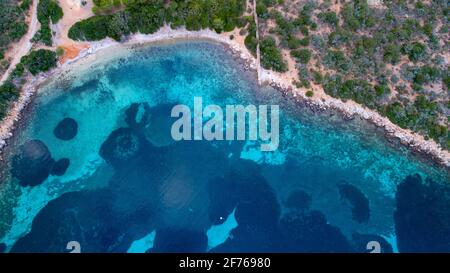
22	47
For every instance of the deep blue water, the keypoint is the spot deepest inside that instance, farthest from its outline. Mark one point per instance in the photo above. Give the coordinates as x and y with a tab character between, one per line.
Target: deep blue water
94	162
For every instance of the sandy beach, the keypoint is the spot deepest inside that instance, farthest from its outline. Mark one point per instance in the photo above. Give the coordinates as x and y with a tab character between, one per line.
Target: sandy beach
321	102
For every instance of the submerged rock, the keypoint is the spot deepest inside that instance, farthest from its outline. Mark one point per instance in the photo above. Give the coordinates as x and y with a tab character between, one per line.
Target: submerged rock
122	144
310	232
66	129
60	167
298	199
83	216
422	215
137	115
32	164
357	200
258	204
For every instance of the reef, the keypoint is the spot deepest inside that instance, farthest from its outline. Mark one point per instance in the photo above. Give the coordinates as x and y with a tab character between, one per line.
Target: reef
137	115
299	199
422	215
310	232
60	167
358	202
121	145
32	164
66	129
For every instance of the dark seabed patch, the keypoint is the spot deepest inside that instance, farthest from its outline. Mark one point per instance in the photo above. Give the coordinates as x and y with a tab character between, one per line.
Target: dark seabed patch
66	129
60	167
32	164
422	216
298	199
357	201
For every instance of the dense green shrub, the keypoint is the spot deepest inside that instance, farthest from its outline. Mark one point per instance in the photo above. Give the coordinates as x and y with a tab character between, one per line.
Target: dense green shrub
302	55
425	74
142	16
357	90
40	60
357	14
48	12
44	35
329	17
8	93
336	59
271	57
250	40
339	37
25	5
392	53
419	115
12	22
147	16
415	51
18	71
92	29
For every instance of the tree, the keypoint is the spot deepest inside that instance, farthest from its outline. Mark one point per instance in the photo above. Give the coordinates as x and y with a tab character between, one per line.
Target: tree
271	57
415	51
40	60
302	55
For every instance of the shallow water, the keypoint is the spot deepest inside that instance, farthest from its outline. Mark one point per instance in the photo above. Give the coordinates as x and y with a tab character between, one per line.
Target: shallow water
130	187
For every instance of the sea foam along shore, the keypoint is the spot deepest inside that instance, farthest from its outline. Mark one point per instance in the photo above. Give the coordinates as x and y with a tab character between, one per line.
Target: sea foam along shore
237	47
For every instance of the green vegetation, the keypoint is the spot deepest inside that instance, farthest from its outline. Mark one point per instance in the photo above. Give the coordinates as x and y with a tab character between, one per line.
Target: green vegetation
302	55
357	14
37	61
419	115
40	60
92	29
8	93
107	6
357	90
48	12
250	40
59	51
329	17
271	57
336	60
147	16
415	51
12	26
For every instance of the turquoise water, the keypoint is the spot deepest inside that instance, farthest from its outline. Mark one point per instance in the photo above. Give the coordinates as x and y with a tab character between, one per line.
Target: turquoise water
150	192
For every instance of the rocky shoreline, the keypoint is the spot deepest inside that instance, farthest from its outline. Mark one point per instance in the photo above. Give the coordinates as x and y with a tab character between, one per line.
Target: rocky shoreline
392	132
348	110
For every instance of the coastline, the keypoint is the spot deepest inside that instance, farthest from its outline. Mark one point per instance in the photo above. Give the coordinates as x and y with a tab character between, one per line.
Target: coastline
348	109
